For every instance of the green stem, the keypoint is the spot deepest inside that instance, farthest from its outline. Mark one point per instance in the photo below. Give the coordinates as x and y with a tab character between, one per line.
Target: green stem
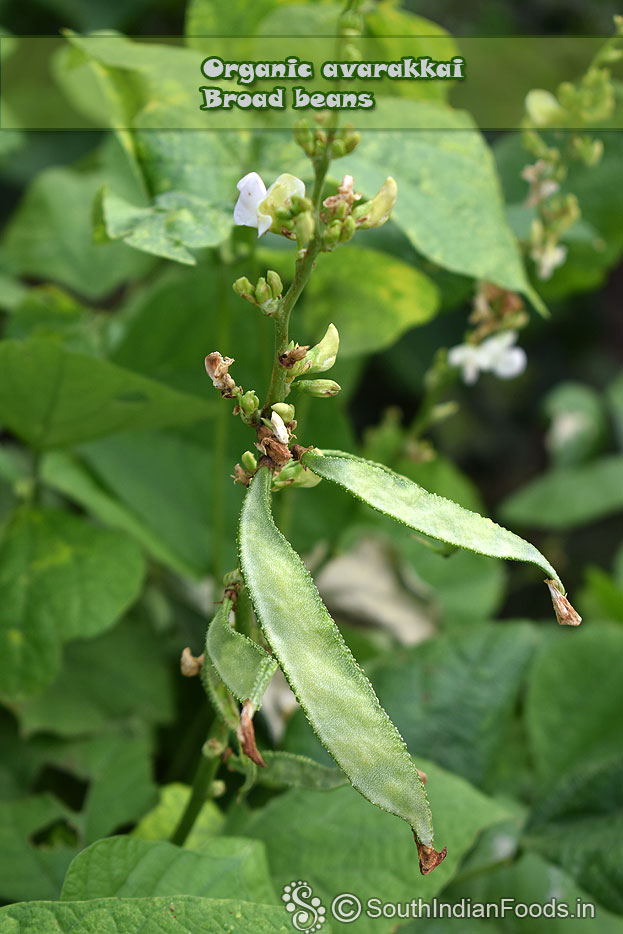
201	791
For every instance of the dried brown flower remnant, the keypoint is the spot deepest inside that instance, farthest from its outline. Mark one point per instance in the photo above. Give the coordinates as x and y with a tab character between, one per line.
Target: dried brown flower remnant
217	368
429	858
423	776
246	734
290	357
345	195
565	614
190	665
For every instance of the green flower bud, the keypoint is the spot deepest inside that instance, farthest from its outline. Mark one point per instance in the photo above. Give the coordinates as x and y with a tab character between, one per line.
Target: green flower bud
304	228
542	108
274	282
322	356
351	141
263	292
348	229
375	213
244	289
249	402
277	203
338	149
303	136
332	234
294	474
249	462
323	388
285	410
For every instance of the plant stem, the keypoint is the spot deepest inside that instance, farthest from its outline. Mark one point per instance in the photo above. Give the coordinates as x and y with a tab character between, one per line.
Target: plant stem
204	776
304	266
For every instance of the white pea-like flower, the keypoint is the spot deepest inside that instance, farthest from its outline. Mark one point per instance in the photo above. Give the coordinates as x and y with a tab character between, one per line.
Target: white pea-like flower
496	355
257	207
279	428
548	257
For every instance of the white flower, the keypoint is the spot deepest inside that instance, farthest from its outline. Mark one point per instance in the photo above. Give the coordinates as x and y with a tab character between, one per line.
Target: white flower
495	355
279	429
256	206
541	187
548	257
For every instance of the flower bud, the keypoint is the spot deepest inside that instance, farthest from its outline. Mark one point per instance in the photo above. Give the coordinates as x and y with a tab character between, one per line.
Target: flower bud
263	291
332	235
542	108
304	228
274	282
284	410
348	229
338	149
303	136
318	387
294	474
322	356
279	198
375	213
351	141
244	289
249	462
249	403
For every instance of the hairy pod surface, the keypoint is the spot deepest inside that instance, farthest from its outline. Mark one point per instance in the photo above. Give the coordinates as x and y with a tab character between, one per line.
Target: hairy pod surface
333	691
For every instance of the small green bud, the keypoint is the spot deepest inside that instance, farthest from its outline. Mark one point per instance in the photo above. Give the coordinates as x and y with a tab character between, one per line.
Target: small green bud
338	149
274	282
332	234
351	141
322	356
348	229
323	388
249	402
542	108
375	213
285	410
249	462
294	475
263	291
218	788
244	289
304	228
303	136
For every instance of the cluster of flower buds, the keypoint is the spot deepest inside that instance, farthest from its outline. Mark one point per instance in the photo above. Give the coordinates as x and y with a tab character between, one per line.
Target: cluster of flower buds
282	209
495	309
342	215
314	141
302	360
247	403
545	247
265	293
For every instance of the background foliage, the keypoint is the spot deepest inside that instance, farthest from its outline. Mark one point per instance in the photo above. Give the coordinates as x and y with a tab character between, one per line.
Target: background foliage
116	264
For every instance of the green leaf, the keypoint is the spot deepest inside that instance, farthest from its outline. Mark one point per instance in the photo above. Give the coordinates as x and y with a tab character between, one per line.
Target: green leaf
160	822
615	401
565	497
399	498
577	423
123	867
61	578
82	699
182	914
573	698
449	203
50	236
372	312
337	843
172	227
341	705
454	695
52	397
243	665
48	311
29	869
579	826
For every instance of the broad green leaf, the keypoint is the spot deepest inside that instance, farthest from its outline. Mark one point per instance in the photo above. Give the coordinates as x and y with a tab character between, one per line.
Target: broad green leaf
568	496
31	869
573	700
449	203
287	769
61	578
341	705
529	881
211	18
181	914
372	312
399	498
50	236
160	822
66	474
243	665
579	826
123	867
121	675
48	311
174	226
453	696
52	397
615	400
337	843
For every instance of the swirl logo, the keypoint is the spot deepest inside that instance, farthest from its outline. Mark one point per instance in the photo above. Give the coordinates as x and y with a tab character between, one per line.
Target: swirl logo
307	912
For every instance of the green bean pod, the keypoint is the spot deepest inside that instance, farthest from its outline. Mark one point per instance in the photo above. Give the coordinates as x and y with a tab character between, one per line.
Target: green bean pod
333	691
243	665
